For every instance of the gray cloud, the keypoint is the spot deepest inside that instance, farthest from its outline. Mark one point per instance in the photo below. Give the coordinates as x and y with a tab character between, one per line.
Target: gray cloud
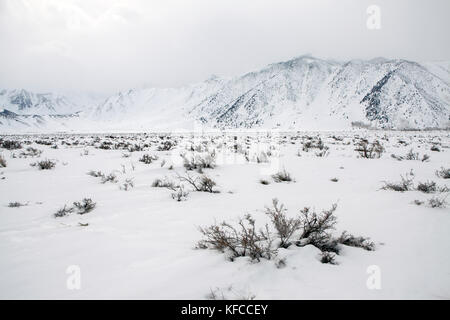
110	45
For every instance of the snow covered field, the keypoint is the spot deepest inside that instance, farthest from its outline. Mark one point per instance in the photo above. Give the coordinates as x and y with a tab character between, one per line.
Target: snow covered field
139	242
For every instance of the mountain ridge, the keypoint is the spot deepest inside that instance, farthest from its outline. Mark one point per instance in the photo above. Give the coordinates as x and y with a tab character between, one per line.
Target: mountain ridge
301	93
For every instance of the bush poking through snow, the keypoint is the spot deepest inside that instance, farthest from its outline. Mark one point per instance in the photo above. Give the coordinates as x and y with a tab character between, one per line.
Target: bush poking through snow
180	194
327	257
282	176
30	152
437	202
147	158
44	164
404	185
84	206
96	174
284	226
164	183
10	144
314	224
443	173
240	241
109	178
2	162
427	187
411	155
435	148
201	183
63	212
199	162
425	158
166	146
357	242
368	150
310	227
264	181
127	185
313	143
16	204
316	229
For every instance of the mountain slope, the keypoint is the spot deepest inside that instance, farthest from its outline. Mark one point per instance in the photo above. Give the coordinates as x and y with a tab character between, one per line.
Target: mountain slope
302	93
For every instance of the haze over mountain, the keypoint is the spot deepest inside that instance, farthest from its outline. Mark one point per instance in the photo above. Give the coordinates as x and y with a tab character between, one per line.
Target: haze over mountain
302	93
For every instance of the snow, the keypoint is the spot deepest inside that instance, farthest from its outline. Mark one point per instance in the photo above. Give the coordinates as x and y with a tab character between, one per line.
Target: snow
140	244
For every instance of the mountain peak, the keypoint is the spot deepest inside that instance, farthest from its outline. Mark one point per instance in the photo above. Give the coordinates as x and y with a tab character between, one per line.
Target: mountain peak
301	93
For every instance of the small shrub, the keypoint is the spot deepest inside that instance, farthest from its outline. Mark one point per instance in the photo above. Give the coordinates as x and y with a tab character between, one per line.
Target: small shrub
411	155
427	187
358	242
180	195
322	154
2	162
148	159
312	228
85	206
404	185
109	178
16	204
199	162
425	158
263	181
316	229
44	164
443	173
127	185
284	226
30	152
437	202
262	157
10	144
313	143
164	183
282	176
201	183
166	146
368	150
334	179
239	241
327	257
435	148
96	174
206	184
63	212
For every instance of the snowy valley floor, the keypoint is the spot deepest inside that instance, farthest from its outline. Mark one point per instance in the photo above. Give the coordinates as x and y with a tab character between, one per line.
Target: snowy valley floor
140	243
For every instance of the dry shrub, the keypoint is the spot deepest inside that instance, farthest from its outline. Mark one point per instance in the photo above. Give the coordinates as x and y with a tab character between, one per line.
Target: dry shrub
443	173
282	176
309	227
369	150
44	164
240	241
401	186
2	162
285	227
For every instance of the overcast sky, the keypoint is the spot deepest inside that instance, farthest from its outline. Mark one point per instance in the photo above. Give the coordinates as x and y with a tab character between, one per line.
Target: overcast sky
108	45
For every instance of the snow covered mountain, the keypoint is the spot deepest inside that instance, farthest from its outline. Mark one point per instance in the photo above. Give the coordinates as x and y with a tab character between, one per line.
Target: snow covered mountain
26	102
302	93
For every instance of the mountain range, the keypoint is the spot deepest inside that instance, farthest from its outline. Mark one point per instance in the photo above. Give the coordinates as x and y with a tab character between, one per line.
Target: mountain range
303	93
